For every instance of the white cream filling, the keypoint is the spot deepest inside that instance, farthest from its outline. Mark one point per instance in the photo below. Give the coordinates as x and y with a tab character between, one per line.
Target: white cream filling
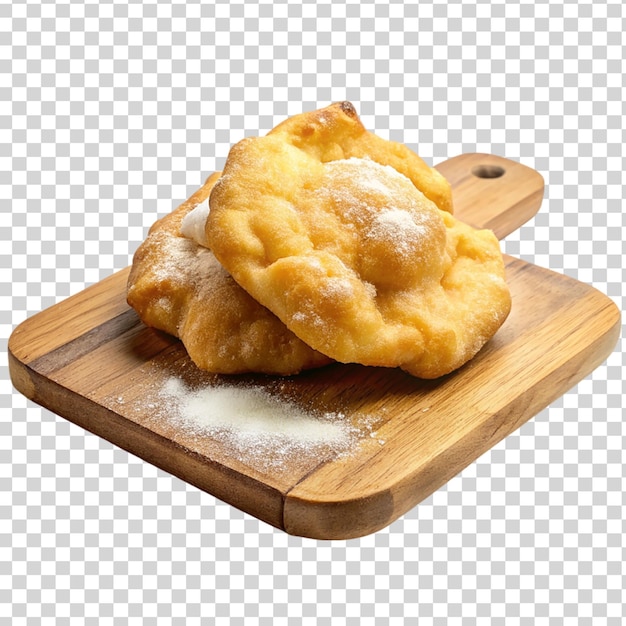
193	224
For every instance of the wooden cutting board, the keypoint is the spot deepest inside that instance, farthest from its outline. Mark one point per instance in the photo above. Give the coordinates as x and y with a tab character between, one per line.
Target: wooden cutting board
92	361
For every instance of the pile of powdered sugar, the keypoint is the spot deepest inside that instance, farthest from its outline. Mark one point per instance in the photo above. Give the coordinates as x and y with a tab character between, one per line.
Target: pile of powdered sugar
257	426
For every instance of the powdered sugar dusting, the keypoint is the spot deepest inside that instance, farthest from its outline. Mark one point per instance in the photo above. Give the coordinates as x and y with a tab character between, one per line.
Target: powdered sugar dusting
337	287
382	203
356	175
397	219
180	259
308	317
397	227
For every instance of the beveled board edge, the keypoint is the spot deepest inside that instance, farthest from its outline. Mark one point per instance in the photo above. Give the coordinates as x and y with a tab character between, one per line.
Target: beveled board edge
298	511
235	488
311	513
326	519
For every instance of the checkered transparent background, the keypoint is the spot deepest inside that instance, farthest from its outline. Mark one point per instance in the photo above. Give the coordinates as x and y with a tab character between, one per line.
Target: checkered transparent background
114	112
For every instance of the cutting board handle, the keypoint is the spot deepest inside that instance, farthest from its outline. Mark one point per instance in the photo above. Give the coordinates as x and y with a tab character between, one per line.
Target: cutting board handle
492	192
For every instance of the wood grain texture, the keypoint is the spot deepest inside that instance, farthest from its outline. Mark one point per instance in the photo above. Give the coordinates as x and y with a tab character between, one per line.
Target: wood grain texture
90	360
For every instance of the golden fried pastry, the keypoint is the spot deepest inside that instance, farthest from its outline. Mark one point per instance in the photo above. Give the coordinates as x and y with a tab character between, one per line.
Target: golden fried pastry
177	285
336	132
350	241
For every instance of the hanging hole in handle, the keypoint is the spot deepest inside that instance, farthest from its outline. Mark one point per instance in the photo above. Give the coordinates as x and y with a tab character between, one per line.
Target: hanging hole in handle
488	171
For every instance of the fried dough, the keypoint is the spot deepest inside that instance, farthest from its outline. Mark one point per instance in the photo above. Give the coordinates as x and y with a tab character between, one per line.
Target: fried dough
177	286
349	240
